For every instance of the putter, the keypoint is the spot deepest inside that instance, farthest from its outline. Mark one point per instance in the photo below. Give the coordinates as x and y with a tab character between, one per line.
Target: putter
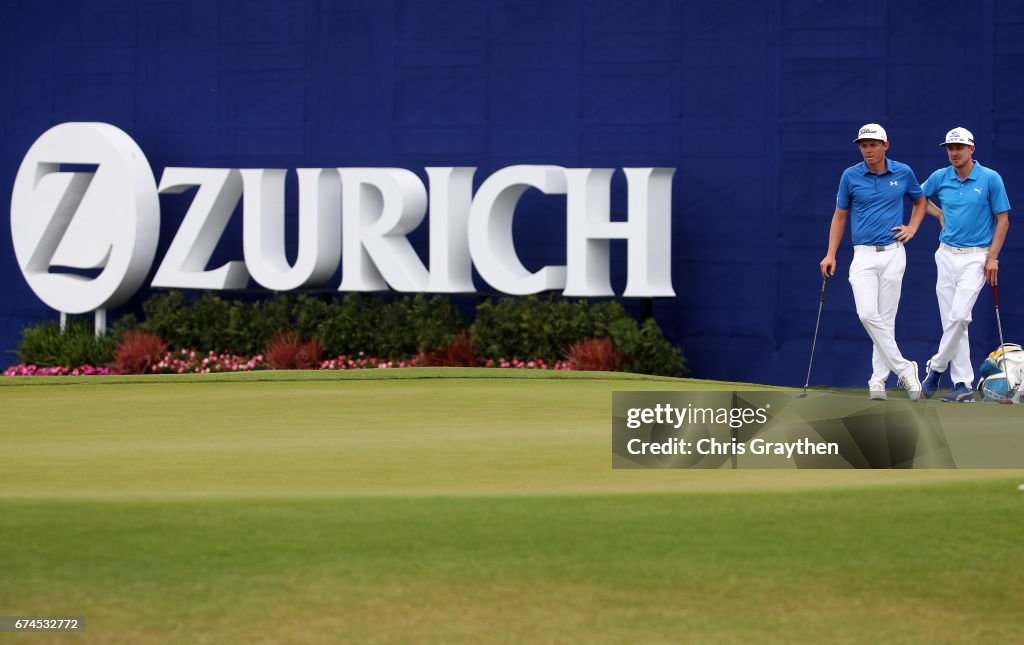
814	342
1002	344
999	324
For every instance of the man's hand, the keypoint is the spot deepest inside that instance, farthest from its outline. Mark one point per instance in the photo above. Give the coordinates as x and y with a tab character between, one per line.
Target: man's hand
992	271
903	233
828	266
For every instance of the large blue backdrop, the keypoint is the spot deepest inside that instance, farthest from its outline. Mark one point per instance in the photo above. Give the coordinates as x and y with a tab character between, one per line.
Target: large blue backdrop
754	102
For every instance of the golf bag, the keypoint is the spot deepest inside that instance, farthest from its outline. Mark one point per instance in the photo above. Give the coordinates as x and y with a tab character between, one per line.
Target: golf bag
1002	375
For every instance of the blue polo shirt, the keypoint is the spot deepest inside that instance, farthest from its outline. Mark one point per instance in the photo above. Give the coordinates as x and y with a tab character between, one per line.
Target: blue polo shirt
968	205
875	200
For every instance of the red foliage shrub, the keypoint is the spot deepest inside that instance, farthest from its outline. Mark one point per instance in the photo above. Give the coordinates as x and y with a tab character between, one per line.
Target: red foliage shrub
138	352
458	353
287	351
595	354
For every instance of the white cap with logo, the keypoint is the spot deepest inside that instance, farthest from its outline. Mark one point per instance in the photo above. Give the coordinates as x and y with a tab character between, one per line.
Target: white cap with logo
959	135
871	131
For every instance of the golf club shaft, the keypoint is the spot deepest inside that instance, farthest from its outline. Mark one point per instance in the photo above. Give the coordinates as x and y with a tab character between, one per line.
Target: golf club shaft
814	342
999	325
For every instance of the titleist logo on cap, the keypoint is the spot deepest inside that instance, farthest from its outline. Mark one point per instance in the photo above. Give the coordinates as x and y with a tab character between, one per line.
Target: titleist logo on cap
871	131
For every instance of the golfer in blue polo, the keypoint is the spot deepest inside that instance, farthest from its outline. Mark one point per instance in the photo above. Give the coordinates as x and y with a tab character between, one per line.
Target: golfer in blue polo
871	196
973	209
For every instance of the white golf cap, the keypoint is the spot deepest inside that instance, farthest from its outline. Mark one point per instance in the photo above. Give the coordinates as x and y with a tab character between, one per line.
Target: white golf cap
871	131
959	135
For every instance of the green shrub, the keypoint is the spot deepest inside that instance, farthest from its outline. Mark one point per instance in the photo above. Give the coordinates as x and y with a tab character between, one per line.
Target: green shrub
357	325
252	325
364	323
168	316
359	322
434	320
532	327
211	323
393	328
314	319
123	325
44	345
646	349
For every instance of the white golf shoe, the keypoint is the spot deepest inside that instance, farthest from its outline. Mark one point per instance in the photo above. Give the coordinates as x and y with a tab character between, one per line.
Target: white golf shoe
876	391
910	380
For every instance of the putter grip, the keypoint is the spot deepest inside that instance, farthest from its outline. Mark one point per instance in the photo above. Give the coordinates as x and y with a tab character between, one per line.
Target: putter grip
995	295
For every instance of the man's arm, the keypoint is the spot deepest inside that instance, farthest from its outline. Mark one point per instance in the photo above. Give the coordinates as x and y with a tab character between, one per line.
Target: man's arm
835	236
998	237
935	211
929	190
906	232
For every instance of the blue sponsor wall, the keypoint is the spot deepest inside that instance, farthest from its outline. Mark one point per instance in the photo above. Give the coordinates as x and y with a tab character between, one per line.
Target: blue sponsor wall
755	103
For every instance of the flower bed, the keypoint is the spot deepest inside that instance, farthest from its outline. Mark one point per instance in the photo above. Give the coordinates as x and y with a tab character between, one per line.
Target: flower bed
187	361
81	370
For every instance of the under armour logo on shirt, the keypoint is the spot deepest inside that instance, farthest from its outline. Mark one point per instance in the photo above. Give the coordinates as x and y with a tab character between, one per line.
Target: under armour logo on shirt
894	183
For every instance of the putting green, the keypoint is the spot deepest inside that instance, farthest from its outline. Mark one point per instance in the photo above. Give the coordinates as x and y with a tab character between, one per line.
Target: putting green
465	505
369	432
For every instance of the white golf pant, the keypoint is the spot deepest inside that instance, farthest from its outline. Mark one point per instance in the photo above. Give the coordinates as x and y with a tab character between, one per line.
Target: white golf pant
960	277
876	278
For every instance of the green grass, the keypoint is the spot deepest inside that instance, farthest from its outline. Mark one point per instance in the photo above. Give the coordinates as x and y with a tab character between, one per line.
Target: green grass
394	506
910	564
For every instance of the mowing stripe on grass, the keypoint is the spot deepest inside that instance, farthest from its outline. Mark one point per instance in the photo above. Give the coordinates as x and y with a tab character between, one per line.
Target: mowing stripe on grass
927	563
327	437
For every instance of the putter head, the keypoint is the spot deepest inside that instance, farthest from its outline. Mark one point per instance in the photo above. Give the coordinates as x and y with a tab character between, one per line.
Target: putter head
1012	397
802	395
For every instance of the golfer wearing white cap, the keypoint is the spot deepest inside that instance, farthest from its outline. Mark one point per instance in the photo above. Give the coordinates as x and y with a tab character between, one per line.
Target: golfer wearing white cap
973	211
871	196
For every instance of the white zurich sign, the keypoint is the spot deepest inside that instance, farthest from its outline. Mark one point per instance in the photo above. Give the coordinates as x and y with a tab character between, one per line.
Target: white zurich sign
85	199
